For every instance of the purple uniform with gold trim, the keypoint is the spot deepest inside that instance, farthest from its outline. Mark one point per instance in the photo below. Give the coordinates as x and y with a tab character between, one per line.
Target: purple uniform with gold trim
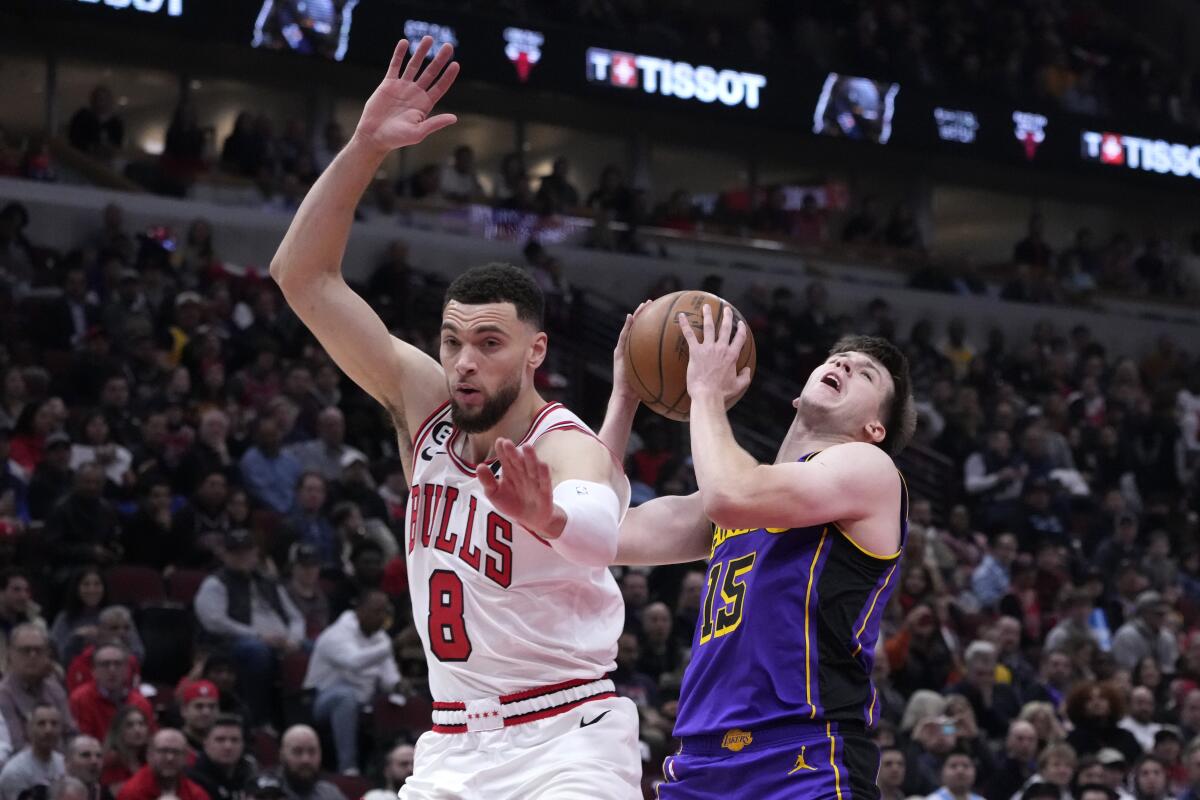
778	698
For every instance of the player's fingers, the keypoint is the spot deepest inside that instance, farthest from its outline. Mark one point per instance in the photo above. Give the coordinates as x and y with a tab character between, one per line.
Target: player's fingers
435	124
393	70
726	323
706	324
743	380
543	478
435	67
739	339
418	59
624	334
486	479
529	462
685	328
443	83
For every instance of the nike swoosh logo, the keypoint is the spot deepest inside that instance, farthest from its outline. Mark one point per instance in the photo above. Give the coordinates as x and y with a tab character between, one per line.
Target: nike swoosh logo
583	723
427	454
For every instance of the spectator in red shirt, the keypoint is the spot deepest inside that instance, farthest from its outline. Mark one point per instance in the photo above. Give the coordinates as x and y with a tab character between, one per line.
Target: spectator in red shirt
125	747
94	705
163	773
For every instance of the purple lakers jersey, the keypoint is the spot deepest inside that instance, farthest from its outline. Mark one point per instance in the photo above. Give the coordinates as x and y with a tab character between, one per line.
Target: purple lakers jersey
787	630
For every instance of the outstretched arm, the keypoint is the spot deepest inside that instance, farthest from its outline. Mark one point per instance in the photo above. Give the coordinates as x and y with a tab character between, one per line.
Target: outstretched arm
308	264
623	402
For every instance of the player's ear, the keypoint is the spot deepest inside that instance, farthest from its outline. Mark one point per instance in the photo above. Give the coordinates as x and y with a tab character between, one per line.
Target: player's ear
537	349
876	433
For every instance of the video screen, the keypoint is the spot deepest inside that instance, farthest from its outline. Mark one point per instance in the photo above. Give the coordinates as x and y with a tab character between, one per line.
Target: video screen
308	27
857	108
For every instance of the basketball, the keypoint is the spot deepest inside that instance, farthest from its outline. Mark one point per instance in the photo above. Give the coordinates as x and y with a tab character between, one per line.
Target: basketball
656	354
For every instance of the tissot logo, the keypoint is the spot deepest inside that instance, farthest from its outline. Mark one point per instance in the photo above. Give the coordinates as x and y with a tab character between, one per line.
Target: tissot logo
674	78
174	8
1135	152
524	49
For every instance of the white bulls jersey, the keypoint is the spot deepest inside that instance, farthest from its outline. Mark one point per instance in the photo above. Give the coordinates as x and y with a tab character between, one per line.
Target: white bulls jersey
498	609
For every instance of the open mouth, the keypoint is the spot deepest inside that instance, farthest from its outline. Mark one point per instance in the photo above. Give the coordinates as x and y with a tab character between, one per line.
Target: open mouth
832	380
465	392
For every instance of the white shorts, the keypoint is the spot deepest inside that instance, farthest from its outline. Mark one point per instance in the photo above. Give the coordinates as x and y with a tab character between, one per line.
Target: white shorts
558	758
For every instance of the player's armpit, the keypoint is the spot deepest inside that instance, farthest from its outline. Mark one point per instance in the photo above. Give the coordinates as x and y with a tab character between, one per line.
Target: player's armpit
846	483
405	380
667	530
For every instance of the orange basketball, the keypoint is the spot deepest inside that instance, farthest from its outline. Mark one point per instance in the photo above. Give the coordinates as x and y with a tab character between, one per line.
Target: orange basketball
656	354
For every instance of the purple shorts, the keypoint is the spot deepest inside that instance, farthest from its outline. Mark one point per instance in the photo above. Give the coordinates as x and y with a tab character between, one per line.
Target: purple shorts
809	761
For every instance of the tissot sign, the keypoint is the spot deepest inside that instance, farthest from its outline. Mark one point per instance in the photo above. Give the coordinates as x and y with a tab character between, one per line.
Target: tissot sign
1135	152
679	79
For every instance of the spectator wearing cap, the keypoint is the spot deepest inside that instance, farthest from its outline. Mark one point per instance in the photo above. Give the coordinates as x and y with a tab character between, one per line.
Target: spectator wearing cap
30	681
304	588
1168	746
1140	719
52	478
83	527
1146	635
326	453
1149	780
300	766
163	774
95	704
1094	709
250	612
270	473
220	669
351	661
307	525
84	761
223	769
265	787
39	763
1115	765
199	703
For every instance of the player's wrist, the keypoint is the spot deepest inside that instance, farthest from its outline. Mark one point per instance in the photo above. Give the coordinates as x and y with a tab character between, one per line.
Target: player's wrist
366	146
553	526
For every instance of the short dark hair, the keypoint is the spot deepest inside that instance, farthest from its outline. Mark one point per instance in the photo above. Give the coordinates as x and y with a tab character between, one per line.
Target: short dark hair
226	721
11	574
900	418
499	283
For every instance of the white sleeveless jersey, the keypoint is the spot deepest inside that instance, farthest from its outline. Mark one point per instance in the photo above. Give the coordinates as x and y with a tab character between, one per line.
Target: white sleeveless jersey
498	609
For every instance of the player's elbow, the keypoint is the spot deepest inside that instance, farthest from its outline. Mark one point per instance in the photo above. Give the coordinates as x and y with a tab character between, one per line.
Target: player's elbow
724	509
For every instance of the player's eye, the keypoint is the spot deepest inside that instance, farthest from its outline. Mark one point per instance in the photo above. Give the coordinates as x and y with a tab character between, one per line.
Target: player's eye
869	376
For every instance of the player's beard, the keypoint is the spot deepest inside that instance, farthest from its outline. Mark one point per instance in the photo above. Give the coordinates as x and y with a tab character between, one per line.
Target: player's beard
494	408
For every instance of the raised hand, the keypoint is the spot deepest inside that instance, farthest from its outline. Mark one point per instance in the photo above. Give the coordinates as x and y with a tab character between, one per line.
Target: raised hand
712	363
620	379
397	113
523	491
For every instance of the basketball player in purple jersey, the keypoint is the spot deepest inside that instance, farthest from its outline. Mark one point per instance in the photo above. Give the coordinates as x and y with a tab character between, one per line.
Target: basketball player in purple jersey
802	557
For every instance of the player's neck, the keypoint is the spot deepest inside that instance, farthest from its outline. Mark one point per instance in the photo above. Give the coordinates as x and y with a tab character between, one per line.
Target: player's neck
480	447
802	440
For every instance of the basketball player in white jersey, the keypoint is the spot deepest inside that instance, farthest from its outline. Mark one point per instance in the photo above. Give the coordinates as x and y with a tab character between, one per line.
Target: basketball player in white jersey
512	597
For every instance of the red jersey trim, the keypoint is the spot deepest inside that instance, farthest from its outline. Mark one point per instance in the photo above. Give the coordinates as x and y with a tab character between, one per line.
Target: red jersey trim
424	427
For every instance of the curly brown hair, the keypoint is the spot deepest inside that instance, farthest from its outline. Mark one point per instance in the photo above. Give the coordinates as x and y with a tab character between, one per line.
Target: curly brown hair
1077	702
